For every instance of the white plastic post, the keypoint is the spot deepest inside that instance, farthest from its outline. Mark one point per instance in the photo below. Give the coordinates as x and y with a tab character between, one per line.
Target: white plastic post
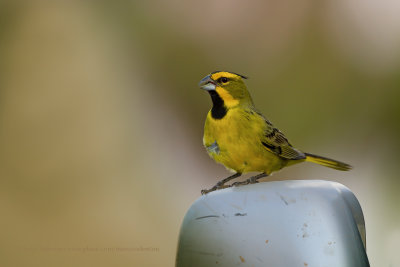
278	224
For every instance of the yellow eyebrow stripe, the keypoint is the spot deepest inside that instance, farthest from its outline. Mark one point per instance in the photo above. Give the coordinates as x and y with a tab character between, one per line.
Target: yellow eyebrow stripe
220	74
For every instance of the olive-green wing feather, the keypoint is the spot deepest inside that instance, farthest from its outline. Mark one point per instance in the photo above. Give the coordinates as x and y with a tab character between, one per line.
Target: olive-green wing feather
276	142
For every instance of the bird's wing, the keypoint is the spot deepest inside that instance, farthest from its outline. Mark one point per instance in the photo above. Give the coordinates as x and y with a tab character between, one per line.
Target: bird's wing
276	142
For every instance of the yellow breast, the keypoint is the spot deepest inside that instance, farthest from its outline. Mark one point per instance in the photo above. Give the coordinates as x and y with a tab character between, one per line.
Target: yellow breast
235	142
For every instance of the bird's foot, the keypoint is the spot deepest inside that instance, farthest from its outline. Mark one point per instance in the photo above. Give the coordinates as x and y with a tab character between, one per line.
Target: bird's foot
251	180
221	184
241	183
214	188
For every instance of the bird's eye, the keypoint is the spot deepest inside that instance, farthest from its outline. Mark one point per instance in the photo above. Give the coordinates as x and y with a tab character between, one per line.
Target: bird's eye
223	80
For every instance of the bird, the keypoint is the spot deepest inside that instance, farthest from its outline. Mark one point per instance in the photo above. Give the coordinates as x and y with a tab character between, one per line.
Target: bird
239	137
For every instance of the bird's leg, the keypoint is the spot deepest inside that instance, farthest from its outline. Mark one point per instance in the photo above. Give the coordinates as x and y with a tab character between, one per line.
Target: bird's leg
254	179
251	180
221	183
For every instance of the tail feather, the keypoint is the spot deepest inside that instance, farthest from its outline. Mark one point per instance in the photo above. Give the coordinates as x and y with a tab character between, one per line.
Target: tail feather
327	162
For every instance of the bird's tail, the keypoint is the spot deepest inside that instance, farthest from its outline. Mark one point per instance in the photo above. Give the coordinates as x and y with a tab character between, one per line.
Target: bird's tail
328	162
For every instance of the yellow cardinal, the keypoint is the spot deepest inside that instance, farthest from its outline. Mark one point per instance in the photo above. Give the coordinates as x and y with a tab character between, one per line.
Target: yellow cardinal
241	138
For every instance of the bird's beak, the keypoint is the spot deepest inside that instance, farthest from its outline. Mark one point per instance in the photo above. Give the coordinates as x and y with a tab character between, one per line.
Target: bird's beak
207	83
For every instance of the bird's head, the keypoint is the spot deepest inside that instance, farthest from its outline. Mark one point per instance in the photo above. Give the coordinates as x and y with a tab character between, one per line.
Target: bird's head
227	86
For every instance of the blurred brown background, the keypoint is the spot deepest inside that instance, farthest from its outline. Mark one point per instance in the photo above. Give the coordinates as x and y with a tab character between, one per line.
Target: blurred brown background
101	119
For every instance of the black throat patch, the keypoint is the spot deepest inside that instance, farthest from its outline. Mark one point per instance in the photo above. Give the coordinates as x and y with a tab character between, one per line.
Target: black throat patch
218	110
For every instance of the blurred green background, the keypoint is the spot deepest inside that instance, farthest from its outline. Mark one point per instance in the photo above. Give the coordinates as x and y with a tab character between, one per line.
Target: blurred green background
101	119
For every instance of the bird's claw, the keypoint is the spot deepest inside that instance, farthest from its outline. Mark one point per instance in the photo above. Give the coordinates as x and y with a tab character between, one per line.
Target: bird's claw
253	181
205	191
215	188
241	183
219	184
